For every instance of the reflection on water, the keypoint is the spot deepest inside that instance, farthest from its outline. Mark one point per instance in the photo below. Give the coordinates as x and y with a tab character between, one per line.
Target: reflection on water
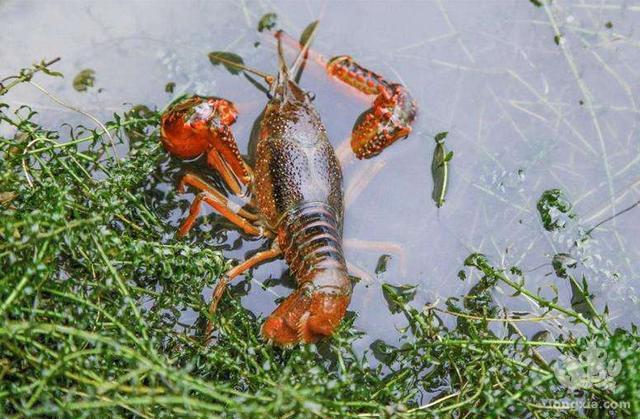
532	101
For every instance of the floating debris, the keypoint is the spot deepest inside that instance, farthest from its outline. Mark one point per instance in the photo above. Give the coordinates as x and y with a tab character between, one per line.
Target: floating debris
440	169
381	267
557	39
308	32
268	21
554	209
232	62
562	262
84	80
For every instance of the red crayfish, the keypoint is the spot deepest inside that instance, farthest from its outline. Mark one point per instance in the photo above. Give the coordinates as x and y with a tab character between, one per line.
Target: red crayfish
294	191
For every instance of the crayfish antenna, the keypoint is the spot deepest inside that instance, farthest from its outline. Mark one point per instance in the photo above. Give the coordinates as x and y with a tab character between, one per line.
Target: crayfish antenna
304	50
281	87
283	71
284	74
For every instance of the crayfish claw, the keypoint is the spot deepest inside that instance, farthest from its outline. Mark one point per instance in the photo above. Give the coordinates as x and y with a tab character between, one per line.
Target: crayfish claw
393	111
387	121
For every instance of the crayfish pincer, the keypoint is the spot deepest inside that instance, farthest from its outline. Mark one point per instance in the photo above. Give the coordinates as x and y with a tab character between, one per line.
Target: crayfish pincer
292	195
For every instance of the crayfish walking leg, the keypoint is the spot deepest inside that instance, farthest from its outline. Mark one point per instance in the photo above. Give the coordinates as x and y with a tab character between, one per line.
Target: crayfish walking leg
255	260
242	218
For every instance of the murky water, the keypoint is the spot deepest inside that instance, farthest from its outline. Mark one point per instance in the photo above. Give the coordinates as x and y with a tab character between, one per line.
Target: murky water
526	112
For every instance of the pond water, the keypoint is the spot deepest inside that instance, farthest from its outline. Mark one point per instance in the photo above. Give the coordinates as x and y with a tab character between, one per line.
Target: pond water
532	98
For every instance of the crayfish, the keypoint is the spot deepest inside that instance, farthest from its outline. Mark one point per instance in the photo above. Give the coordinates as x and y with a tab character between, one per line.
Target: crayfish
294	191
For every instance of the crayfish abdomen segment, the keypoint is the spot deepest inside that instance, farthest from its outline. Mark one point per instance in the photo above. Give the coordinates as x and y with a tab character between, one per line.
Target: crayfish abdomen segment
311	240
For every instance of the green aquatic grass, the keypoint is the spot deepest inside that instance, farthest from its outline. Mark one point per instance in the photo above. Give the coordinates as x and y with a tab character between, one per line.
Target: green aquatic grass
93	287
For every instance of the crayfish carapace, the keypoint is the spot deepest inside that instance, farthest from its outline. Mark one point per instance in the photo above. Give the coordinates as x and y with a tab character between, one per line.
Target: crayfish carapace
294	191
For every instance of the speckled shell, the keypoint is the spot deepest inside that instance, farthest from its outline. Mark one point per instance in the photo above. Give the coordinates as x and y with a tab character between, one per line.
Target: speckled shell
346	69
295	162
298	189
372	133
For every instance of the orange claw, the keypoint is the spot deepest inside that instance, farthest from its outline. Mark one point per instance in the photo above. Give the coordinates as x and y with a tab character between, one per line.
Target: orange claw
187	126
391	116
389	120
202	124
307	315
181	137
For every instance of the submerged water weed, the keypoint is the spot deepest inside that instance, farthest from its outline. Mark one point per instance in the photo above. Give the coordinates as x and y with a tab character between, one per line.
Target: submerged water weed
554	209
93	289
584	253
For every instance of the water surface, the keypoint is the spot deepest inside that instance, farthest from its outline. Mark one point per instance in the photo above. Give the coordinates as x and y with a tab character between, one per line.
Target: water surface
533	99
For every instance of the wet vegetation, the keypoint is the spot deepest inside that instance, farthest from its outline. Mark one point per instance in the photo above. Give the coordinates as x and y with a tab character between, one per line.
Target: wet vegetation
94	285
440	169
268	21
84	80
